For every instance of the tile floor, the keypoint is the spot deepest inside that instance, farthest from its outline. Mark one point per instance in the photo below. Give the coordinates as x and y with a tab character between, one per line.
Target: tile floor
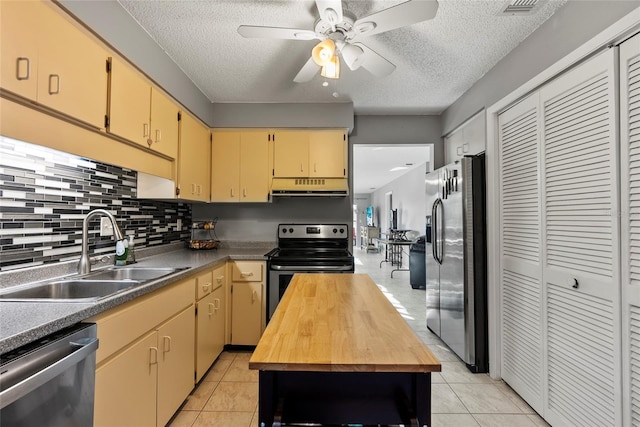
228	395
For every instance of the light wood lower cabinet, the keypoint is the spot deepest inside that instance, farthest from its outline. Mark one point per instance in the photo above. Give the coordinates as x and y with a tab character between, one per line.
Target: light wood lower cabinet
210	320
248	309
145	362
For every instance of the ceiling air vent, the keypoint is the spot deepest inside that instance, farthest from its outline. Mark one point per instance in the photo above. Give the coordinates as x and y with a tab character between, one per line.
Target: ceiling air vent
520	7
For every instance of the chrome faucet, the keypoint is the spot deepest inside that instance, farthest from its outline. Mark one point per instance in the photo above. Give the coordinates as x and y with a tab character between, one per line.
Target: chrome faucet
84	266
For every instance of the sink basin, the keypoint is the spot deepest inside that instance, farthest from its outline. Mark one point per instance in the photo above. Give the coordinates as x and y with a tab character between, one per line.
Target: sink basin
92	287
132	273
69	290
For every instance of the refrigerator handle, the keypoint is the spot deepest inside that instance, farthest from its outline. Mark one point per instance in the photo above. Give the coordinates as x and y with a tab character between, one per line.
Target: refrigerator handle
434	230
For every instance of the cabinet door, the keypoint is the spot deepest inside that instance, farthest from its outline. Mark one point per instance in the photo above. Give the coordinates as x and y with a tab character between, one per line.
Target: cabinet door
453	146
254	166
205	338
176	342
225	166
474	136
126	386
194	160
72	70
219	319
164	124
19	47
327	153
246	313
291	153
130	103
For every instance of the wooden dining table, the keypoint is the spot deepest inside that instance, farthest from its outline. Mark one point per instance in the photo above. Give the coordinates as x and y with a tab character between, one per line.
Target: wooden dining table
336	352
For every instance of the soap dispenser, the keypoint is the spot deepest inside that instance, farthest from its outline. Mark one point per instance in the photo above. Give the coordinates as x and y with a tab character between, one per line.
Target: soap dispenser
131	254
122	252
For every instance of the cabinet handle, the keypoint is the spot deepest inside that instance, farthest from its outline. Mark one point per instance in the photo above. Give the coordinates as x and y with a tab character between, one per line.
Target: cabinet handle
232	194
575	283
158	135
465	147
217	303
253	296
145	130
199	187
301	169
315	168
219	279
205	288
53	77
153	356
193	189
22	60
166	344
459	151
244	192
211	308
246	274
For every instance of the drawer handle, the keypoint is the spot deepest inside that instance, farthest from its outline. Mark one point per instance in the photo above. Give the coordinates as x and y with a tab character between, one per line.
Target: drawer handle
153	356
27	68
206	288
167	344
219	279
246	274
53	77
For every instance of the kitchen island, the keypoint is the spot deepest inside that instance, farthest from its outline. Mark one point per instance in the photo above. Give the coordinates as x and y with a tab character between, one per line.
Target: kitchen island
336	351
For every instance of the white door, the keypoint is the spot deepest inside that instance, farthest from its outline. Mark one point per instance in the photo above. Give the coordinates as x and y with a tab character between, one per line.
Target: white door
521	272
581	255
630	209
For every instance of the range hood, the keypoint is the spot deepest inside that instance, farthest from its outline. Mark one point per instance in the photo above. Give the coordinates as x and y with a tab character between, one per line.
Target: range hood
310	187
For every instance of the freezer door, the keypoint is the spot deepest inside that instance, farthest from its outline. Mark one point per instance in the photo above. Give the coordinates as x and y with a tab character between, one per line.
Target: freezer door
432	267
452	289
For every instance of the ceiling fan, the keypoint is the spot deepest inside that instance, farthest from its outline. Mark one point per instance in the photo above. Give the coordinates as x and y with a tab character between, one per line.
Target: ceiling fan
340	33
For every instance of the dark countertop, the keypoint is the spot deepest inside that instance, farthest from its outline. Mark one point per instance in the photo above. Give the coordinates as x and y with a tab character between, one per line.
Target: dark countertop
23	322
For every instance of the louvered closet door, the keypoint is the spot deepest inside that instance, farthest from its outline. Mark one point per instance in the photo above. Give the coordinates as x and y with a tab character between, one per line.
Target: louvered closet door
521	271
581	235
630	227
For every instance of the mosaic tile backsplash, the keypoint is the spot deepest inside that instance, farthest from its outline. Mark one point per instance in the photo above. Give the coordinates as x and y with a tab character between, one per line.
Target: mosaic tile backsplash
45	195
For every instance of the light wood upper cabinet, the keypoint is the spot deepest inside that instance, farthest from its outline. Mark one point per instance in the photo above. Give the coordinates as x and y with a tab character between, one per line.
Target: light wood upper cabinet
194	160
467	140
140	112
240	166
19	47
291	153
310	153
48	59
328	153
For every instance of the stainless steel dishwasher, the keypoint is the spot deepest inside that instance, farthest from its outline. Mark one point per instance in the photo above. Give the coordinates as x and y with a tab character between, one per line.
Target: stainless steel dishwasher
51	381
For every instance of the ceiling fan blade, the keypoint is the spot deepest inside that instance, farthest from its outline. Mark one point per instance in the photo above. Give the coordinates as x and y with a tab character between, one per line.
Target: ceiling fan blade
250	31
330	11
401	15
307	72
374	63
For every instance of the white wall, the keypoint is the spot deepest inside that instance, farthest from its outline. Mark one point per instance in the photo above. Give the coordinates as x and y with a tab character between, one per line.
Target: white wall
408	197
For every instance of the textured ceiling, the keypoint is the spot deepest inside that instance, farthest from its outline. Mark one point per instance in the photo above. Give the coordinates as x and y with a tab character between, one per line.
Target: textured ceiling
436	60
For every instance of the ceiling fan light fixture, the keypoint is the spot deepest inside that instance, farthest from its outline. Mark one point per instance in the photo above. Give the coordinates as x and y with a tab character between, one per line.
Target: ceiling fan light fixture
332	69
352	55
323	52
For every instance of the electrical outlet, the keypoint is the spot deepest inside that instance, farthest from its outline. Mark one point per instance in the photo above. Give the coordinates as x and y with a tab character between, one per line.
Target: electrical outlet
106	228
178	224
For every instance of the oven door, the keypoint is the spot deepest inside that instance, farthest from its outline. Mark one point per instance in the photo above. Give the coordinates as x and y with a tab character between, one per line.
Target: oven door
280	276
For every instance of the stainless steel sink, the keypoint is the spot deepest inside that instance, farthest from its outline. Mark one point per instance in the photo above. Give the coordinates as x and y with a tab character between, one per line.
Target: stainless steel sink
132	273
74	290
94	286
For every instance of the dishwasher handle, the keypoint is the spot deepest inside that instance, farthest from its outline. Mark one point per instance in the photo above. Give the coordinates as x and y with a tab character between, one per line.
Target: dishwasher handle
76	351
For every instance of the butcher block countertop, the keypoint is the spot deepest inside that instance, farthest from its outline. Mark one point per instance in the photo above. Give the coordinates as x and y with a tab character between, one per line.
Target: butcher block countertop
339	323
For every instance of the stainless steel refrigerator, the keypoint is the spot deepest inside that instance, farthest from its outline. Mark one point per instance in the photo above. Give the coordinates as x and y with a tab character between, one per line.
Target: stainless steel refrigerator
455	251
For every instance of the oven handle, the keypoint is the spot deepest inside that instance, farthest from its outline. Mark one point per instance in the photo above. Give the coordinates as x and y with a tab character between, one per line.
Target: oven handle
303	268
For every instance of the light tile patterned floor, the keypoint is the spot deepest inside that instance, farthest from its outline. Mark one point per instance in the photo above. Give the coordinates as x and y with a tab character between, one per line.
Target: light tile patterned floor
228	394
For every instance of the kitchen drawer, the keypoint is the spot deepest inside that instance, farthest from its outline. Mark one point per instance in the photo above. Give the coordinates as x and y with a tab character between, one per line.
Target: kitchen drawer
122	325
204	284
247	271
219	273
